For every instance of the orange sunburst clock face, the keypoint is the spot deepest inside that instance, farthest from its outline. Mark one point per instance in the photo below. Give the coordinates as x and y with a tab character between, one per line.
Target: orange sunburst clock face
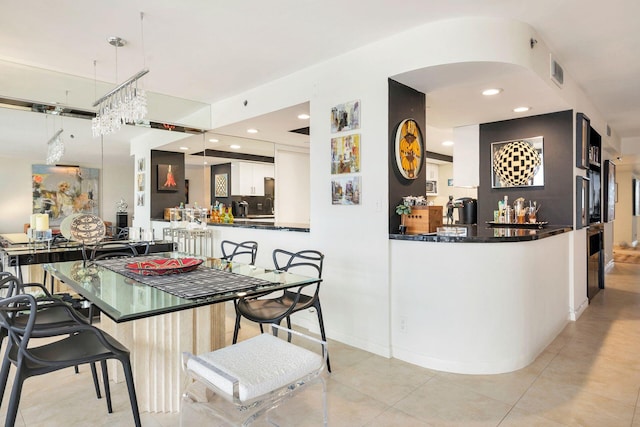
409	149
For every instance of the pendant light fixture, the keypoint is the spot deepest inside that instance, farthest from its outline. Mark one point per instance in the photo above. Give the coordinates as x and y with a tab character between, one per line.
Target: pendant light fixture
126	103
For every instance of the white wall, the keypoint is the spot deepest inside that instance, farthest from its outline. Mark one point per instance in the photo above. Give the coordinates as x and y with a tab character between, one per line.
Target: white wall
292	198
625	225
199	185
358	286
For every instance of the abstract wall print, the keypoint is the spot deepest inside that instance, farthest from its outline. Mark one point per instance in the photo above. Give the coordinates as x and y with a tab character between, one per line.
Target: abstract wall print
518	163
141	165
140	199
346	190
140	181
345	154
221	183
61	191
166	177
345	117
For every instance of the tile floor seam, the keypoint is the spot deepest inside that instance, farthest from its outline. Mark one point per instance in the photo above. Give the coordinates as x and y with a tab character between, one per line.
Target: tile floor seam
529	388
635	407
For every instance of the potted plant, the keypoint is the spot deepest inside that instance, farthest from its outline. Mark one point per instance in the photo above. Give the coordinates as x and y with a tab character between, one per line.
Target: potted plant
403	210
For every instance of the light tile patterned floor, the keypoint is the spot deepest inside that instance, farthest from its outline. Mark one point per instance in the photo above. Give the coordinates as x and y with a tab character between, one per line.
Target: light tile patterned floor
589	376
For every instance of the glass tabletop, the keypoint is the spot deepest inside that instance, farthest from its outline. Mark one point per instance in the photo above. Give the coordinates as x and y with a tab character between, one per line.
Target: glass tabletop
123	298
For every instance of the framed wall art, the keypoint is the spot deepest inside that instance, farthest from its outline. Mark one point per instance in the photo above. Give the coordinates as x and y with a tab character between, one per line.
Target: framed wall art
345	154
140	181
221	183
345	117
409	149
582	202
518	163
61	191
166	177
609	191
346	190
583	131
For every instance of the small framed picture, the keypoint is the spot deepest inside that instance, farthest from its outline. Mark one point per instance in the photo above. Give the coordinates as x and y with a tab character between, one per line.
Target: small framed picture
346	190
141	165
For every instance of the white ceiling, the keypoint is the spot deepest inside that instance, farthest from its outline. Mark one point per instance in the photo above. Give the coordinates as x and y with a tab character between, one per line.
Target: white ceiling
209	50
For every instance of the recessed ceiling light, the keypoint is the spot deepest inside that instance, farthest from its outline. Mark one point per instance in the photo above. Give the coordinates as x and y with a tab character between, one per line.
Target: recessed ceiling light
252	130
303	116
184	148
520	109
213	140
447	143
492	91
235	146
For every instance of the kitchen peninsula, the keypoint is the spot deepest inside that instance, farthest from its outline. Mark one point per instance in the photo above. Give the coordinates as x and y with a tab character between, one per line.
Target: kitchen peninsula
485	303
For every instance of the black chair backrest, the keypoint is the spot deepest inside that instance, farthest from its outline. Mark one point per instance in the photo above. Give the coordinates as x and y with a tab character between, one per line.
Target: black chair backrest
306	259
231	250
10	285
109	250
10	308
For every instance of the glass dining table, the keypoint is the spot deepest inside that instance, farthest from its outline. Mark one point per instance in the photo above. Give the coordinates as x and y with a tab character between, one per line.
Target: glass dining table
158	317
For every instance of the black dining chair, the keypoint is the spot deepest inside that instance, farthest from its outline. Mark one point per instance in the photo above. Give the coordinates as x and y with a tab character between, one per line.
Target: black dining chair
273	309
52	317
232	250
83	343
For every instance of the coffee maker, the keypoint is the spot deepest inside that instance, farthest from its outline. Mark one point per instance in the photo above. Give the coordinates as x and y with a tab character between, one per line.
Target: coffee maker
239	209
467	210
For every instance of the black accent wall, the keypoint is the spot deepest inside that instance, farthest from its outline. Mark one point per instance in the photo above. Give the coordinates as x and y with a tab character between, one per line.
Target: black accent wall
166	199
404	103
556	196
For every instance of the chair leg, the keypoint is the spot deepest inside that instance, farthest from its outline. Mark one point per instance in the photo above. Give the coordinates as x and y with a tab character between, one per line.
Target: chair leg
322	334
236	328
126	365
105	380
94	374
289	326
4	375
14	401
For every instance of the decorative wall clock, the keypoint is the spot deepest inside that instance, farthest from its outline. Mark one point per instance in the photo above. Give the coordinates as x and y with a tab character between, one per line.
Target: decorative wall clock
409	149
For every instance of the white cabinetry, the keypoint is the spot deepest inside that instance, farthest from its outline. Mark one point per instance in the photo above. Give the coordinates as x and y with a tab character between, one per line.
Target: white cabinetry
466	156
432	171
247	178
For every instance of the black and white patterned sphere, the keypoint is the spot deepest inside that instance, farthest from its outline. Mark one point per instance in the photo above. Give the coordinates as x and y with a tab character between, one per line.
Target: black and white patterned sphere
516	163
88	229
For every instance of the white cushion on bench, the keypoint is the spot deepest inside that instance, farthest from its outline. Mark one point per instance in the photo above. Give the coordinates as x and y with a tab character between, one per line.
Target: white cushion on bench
261	364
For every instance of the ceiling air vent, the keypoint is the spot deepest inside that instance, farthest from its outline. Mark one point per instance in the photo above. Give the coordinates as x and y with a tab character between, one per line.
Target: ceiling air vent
303	131
556	72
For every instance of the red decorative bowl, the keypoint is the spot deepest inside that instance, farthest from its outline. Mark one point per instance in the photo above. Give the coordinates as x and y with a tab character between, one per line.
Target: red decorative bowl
161	266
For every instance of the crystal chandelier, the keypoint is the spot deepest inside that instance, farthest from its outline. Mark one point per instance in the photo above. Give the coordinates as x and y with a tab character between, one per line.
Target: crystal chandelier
126	103
55	148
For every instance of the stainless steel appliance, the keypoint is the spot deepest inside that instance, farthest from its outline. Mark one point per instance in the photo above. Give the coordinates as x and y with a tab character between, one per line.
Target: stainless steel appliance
432	187
240	209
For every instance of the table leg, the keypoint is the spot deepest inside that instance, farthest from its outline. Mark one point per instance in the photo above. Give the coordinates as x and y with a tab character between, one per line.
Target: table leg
156	345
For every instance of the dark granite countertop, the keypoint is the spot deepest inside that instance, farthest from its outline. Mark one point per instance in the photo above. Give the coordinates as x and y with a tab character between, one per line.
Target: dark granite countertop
487	234
262	225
